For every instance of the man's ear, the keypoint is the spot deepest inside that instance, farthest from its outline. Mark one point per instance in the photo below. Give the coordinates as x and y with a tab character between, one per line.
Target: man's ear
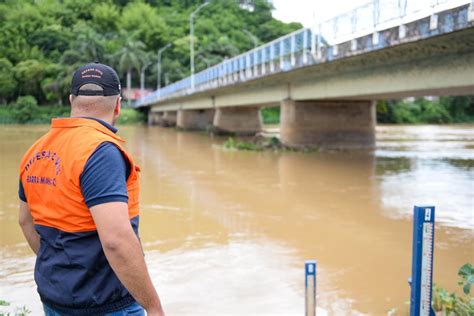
118	104
70	99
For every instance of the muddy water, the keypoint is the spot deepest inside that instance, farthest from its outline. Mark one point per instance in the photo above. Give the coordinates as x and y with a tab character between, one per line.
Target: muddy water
227	233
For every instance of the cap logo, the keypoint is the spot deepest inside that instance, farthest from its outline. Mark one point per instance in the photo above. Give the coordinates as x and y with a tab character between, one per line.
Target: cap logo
86	73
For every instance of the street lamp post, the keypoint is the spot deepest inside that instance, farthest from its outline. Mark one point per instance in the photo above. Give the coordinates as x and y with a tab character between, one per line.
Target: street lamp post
253	37
158	66
191	40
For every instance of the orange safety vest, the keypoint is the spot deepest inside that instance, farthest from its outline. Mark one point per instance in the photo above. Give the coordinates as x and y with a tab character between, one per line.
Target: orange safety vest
50	174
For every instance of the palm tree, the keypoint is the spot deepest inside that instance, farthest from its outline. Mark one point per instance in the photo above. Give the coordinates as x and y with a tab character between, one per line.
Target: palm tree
130	57
89	44
145	62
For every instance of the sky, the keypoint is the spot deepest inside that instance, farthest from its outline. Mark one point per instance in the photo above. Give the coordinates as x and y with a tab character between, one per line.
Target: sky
308	11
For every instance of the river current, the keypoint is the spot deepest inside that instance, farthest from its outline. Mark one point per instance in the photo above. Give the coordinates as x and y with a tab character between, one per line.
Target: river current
227	232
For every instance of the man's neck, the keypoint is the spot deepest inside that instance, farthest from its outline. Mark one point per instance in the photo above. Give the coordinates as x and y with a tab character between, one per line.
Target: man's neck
105	119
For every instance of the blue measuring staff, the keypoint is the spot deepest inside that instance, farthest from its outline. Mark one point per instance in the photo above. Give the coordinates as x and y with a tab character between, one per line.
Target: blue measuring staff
422	261
310	287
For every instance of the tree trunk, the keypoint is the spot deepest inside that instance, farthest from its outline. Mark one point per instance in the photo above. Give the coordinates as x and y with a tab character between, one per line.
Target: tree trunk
142	82
129	86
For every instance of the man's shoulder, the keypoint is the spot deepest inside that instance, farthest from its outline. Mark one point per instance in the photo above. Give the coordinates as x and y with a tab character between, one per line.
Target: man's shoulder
108	155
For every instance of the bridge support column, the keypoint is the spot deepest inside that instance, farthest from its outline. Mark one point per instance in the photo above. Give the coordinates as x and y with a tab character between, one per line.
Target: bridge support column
152	118
329	124
238	120
195	119
168	119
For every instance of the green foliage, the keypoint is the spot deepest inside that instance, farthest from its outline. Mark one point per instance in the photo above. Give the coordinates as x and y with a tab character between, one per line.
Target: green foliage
7	79
24	109
4	303
39	36
21	311
231	143
457	109
259	143
106	17
460	108
271	115
145	20
467	277
451	303
131	116
29	73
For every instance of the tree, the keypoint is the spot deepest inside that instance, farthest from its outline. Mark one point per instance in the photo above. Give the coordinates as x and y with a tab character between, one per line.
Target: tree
39	36
130	57
24	109
7	79
144	20
29	74
105	17
88	43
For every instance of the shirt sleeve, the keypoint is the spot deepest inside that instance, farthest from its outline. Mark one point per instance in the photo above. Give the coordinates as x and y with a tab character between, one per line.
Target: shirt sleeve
21	192
104	178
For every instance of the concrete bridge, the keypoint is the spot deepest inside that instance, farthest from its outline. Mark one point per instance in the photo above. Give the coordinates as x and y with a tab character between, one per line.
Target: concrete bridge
327	78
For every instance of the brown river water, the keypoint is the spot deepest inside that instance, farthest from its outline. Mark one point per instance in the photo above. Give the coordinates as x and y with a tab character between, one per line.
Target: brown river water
227	232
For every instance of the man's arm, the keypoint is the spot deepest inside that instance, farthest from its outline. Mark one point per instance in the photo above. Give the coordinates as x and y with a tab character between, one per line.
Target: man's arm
124	253
27	226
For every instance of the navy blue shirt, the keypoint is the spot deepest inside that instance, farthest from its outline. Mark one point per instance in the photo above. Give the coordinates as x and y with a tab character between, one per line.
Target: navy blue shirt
104	176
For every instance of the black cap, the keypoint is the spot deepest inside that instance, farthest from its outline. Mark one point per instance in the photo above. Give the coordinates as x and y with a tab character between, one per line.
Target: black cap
99	74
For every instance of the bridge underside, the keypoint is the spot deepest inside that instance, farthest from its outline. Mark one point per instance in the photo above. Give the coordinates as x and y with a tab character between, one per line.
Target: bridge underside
321	104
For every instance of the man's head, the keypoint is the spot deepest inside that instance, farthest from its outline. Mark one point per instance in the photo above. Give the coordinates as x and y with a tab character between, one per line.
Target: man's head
95	92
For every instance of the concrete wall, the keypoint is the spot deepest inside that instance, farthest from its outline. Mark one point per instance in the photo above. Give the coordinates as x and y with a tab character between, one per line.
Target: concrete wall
329	124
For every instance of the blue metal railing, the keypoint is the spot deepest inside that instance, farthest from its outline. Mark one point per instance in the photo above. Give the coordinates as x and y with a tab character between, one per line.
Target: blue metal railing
304	46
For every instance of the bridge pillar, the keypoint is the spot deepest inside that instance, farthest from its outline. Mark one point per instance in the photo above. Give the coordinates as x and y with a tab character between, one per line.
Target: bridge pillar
238	120
168	119
154	118
151	118
195	119
329	124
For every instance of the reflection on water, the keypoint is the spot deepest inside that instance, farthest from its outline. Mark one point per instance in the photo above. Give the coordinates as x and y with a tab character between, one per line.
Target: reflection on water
227	233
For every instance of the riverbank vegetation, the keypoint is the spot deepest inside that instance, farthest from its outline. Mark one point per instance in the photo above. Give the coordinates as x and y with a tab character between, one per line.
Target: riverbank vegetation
260	143
257	143
43	42
443	110
27	111
19	311
451	304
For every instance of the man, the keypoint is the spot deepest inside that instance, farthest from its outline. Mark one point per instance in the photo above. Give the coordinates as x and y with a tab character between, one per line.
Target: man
79	208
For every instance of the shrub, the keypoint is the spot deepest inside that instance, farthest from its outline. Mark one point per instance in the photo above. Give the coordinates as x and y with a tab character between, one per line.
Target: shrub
131	116
451	303
231	143
271	115
25	109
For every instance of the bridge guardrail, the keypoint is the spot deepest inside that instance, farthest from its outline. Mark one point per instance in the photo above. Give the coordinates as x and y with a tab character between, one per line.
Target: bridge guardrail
305	46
